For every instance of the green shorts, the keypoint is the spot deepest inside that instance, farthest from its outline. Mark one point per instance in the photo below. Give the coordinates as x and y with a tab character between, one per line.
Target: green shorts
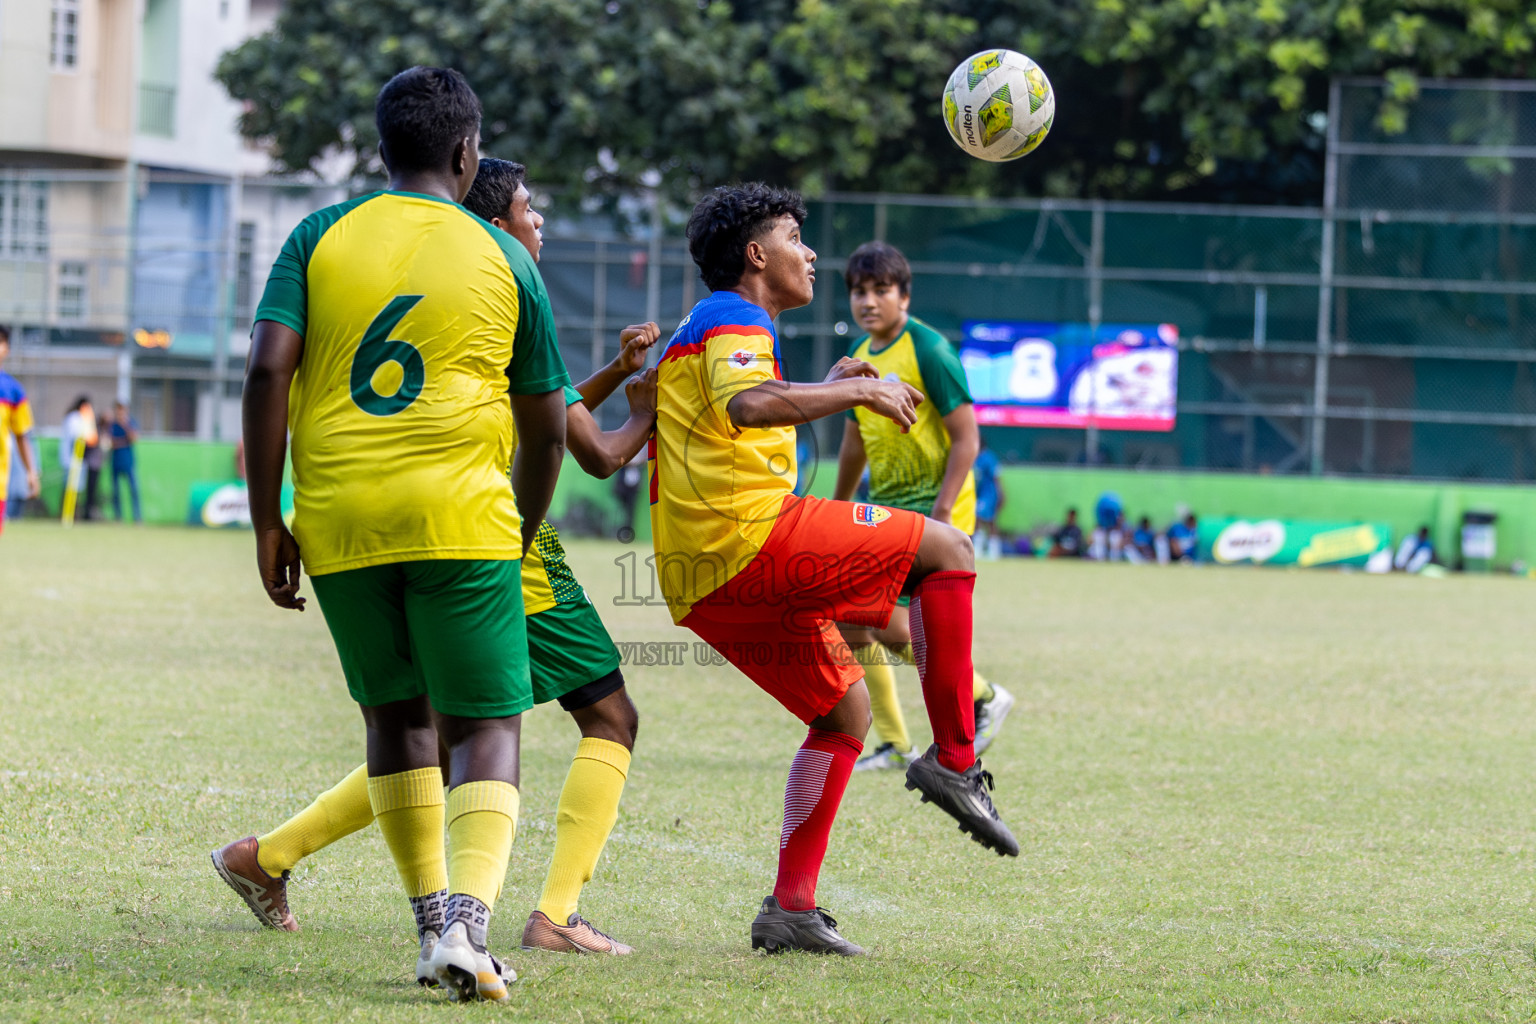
568	647
451	630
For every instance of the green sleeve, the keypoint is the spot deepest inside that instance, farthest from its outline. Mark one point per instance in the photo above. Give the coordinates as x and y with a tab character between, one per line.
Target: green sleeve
536	367
285	300
572	396
943	376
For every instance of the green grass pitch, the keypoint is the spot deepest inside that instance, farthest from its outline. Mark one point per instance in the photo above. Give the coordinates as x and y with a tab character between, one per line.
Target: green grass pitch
1241	795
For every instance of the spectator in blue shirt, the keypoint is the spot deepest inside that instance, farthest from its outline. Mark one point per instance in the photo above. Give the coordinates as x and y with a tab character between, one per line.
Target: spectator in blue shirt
125	434
989	501
1184	540
1415	552
1108	530
1143	542
1067	542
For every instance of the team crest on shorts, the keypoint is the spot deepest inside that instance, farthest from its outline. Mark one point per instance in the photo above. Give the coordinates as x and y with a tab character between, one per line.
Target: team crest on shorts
741	357
870	515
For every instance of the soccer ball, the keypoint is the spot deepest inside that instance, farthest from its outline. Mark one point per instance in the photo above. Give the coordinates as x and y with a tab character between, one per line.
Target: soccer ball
998	105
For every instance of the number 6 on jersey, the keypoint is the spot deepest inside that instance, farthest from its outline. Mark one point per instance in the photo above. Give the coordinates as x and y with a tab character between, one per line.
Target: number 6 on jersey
378	350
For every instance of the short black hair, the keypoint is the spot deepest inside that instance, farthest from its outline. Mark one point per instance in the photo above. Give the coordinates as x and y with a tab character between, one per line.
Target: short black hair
80	402
727	219
495	184
878	263
5	334
421	114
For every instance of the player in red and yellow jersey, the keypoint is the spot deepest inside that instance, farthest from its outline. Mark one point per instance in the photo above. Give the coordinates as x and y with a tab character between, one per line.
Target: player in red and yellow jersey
398	341
926	469
764	576
15	425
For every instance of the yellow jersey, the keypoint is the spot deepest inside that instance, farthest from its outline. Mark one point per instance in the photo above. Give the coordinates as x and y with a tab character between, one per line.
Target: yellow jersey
715	490
15	420
907	470
417	319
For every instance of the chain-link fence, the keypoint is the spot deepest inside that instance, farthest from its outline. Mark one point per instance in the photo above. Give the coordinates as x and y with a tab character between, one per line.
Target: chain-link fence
1391	332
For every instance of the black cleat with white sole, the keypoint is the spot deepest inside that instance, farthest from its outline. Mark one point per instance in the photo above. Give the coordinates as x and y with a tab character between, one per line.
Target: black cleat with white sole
964	797
812	931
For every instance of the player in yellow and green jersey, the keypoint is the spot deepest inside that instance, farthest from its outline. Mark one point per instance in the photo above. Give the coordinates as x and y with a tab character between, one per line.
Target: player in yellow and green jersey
926	469
572	659
399	341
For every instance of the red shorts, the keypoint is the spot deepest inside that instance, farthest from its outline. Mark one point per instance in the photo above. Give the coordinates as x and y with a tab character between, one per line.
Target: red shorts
825	562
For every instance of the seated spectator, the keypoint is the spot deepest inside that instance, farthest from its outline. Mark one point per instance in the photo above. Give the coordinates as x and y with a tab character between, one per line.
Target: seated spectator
1109	529
1143	546
1184	540
1415	552
1067	542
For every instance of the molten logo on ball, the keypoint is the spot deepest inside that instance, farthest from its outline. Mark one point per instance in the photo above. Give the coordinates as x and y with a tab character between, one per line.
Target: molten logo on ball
1010	96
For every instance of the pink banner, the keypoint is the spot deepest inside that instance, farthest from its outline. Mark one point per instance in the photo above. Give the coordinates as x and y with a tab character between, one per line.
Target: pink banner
1027	416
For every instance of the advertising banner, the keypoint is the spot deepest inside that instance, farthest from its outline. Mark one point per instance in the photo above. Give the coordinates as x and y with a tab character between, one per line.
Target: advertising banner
227	503
1302	542
1025	373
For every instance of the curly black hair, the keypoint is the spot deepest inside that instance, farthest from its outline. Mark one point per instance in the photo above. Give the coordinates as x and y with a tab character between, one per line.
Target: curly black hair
495	184
422	113
727	219
878	263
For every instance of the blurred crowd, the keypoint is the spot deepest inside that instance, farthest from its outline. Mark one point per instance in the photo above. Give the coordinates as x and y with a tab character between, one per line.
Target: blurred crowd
1113	539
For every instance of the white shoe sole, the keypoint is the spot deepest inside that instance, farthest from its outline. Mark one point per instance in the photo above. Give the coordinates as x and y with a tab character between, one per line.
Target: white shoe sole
1001	703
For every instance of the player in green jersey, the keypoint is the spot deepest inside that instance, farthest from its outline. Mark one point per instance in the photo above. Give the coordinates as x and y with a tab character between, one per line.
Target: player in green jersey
926	469
466	659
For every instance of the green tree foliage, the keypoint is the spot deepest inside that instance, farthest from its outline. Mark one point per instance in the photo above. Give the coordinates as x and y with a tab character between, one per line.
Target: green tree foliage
1155	97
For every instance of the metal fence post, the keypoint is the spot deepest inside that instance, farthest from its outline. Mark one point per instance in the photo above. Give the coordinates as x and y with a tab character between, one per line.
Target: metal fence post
130	275
1325	282
227	311
1095	317
599	303
821	342
653	263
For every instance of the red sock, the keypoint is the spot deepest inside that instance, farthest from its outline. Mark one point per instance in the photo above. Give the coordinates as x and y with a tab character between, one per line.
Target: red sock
941	644
817	778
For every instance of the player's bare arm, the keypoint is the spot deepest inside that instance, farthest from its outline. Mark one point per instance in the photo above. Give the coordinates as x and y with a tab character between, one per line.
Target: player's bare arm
964	445
635	344
777	403
24	452
851	460
603	453
275	354
540	423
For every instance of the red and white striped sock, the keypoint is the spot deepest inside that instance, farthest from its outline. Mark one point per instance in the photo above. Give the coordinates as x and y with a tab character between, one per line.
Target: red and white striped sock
817	777
940	619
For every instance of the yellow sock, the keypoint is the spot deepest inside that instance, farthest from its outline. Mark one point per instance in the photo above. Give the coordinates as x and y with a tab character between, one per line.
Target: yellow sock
589	805
338	812
409	807
482	818
884	704
980	688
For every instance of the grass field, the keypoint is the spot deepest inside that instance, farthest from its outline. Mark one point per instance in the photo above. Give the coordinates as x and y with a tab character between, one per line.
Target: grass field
1241	795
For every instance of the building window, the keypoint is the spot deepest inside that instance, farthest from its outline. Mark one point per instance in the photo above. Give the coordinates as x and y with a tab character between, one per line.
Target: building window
23	218
64	39
72	290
